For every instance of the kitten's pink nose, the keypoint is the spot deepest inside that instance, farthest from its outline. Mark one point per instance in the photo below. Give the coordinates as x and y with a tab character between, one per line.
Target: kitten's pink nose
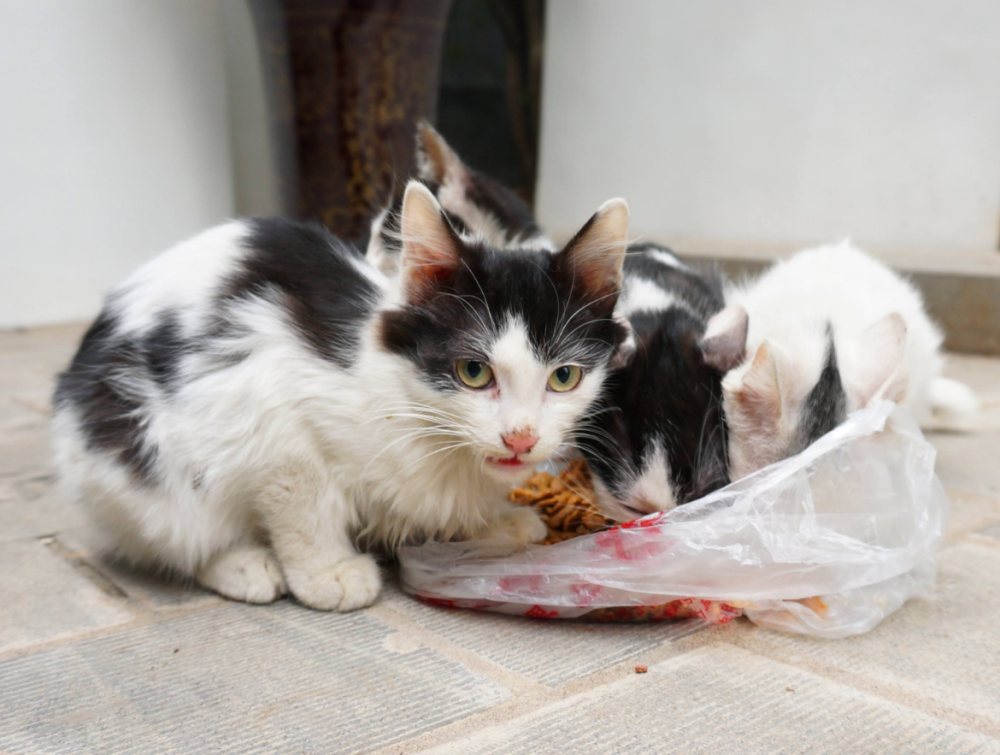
520	441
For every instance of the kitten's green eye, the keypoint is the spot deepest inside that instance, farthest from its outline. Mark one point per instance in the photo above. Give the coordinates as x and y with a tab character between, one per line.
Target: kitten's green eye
474	374
565	378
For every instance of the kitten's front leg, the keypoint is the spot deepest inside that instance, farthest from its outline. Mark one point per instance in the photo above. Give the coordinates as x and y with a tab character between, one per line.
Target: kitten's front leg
521	523
307	518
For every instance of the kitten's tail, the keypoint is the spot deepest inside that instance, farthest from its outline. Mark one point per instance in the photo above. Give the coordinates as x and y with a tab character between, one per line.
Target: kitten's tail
955	406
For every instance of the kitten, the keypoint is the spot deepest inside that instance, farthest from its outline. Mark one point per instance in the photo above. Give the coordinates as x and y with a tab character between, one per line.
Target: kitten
649	447
257	400
831	329
478	206
658	436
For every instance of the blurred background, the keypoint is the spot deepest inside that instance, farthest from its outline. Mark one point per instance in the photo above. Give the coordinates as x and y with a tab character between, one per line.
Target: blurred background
737	131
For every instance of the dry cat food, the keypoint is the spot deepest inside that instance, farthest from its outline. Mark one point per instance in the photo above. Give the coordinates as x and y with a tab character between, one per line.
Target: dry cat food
563	502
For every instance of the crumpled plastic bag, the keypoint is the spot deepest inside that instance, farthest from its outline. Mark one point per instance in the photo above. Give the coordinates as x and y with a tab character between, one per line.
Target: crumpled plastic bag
827	543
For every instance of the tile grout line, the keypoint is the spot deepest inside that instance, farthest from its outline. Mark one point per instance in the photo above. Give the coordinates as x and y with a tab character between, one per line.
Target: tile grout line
142	612
539	695
883	690
140	620
512	681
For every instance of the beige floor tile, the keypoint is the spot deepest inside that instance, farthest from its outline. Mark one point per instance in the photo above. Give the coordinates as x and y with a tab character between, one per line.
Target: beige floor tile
971	512
33	507
25	451
721	700
240	679
43	598
944	650
526	646
969	462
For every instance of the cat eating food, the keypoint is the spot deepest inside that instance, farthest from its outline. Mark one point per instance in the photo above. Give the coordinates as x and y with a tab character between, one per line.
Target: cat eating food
831	329
657	439
256	401
657	436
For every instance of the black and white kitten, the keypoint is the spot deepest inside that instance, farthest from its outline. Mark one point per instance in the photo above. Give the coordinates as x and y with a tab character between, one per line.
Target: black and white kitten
257	400
479	207
658	438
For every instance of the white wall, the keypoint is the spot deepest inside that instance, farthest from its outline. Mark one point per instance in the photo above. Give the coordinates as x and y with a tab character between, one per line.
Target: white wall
114	144
776	120
257	157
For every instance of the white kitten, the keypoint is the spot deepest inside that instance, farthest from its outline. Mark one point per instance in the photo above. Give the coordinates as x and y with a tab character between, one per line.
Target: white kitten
830	329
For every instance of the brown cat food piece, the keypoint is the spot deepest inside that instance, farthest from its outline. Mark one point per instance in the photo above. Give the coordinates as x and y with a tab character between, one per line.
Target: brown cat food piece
563	502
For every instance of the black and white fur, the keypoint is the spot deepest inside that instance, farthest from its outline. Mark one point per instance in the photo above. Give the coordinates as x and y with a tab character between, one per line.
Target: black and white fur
658	438
256	401
478	207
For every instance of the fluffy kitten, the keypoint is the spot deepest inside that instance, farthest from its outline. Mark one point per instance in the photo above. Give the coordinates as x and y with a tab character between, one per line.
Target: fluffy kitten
257	400
658	437
478	206
831	329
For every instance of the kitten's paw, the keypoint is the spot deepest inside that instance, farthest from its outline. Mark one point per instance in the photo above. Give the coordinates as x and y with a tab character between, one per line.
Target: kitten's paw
521	523
251	574
344	586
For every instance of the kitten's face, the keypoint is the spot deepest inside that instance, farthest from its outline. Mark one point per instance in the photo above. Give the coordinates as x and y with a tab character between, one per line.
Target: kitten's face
798	387
764	411
510	347
658	439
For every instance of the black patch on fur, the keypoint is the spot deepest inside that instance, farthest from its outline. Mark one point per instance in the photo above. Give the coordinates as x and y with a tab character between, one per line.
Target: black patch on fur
826	405
474	304
163	348
667	395
307	271
112	416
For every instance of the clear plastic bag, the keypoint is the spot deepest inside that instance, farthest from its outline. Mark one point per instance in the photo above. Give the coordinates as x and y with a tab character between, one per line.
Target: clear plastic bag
826	543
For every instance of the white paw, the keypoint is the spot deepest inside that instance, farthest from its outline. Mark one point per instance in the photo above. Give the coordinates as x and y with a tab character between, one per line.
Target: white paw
521	523
344	586
251	574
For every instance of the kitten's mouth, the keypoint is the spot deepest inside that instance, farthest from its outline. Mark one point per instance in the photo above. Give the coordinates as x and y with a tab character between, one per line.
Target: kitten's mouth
633	512
511	462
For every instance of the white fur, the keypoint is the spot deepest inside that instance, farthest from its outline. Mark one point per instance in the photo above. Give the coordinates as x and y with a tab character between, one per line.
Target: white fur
789	307
376	253
286	443
653	490
643	295
666	258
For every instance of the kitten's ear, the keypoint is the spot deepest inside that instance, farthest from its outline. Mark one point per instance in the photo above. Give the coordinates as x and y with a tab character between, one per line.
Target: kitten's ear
757	395
436	160
725	341
593	259
881	372
431	253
